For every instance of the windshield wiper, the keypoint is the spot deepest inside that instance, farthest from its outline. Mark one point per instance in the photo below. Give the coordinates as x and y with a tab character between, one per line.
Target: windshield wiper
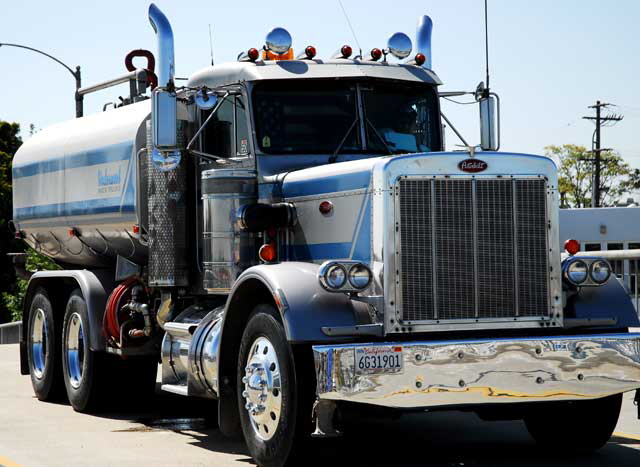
386	146
334	156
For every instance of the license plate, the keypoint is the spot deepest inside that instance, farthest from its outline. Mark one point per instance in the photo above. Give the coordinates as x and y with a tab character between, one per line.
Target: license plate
380	359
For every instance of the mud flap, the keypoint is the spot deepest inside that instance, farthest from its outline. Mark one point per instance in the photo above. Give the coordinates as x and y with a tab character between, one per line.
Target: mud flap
24	359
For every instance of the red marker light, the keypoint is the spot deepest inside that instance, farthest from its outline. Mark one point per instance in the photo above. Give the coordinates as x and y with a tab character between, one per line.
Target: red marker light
572	246
346	51
72	232
325	207
376	54
310	52
420	59
253	54
267	252
136	229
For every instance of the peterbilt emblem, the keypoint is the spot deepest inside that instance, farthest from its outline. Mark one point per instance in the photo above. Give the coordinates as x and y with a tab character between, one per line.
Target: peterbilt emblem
472	165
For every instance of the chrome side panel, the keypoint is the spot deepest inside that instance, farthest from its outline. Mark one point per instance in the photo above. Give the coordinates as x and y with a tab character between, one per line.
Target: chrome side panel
485	372
95	286
304	305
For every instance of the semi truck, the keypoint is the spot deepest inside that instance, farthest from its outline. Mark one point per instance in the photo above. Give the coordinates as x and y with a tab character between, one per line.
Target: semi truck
287	236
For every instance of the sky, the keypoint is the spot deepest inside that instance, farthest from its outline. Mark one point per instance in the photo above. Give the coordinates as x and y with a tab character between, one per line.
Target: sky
549	59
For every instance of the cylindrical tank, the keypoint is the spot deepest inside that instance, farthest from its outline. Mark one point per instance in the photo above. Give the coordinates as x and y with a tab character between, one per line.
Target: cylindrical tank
76	187
227	250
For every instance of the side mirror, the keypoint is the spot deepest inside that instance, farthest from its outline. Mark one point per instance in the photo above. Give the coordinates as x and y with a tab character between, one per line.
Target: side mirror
164	120
490	122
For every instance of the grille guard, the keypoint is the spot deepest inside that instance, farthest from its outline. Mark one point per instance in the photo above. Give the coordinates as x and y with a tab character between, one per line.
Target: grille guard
450	373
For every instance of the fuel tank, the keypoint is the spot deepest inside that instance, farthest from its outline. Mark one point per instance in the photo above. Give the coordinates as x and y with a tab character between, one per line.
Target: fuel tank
77	187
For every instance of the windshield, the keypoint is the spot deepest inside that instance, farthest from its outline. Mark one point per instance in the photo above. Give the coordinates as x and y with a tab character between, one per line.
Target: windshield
345	117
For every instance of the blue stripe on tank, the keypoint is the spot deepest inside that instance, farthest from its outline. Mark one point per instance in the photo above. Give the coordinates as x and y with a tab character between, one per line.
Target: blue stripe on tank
104	155
330	184
76	208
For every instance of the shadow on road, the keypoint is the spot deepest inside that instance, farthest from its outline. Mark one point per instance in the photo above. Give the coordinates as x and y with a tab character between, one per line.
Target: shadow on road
434	439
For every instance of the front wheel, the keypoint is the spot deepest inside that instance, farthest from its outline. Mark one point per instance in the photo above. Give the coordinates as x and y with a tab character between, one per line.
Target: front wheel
271	396
576	426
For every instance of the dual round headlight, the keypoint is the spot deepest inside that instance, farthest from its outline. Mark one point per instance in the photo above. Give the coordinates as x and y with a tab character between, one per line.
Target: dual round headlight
344	276
588	272
600	271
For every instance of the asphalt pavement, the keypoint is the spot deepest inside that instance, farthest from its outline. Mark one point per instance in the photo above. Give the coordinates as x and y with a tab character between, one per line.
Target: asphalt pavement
176	431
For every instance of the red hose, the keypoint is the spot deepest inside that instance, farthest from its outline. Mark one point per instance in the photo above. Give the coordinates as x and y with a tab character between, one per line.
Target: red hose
110	323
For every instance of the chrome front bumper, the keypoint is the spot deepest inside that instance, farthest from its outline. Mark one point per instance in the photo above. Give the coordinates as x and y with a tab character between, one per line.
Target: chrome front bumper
449	373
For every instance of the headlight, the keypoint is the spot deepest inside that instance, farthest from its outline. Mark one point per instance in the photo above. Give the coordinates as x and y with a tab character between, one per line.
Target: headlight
577	272
359	276
344	276
600	271
335	276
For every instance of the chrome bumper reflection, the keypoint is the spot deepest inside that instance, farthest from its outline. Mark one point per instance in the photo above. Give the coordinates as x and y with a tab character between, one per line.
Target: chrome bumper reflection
485	371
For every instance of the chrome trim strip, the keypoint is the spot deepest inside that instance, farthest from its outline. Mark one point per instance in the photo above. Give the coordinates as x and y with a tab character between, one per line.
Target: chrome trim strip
516	284
449	373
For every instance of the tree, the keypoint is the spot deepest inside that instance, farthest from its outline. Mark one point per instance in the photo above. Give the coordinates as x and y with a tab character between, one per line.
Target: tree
10	141
12	290
576	172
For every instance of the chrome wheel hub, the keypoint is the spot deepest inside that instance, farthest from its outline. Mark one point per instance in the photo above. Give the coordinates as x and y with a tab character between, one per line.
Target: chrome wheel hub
262	388
74	347
39	343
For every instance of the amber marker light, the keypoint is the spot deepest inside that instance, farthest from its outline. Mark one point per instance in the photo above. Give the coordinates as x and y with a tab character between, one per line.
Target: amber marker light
572	246
267	252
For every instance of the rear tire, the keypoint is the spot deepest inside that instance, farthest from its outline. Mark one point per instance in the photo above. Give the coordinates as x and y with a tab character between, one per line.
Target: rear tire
82	368
274	395
43	348
576	426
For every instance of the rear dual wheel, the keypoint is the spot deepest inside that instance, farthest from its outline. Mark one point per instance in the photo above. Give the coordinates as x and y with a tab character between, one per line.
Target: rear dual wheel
43	348
96	380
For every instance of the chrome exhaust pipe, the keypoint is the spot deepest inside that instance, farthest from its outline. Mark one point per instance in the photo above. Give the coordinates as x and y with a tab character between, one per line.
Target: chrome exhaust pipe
166	62
423	39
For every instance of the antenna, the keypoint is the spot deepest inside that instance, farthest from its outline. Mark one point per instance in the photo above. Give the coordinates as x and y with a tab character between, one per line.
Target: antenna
486	43
210	44
350	26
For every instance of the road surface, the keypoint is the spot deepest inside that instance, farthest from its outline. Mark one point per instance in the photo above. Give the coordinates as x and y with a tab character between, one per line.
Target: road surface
180	432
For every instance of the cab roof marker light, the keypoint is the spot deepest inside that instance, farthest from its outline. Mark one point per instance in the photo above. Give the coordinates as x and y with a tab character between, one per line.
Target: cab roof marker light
423	39
307	54
250	55
375	55
344	52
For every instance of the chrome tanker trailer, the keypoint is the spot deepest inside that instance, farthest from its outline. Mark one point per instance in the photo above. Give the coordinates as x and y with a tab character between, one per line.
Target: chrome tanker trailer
285	234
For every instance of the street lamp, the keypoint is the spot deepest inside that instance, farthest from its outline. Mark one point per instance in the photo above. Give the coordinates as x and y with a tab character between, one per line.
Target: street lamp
76	74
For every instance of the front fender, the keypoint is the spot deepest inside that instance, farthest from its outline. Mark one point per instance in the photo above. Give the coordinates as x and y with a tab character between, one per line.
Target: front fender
304	305
608	301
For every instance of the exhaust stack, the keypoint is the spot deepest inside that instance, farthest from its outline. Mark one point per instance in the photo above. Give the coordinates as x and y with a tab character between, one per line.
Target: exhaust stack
423	39
166	62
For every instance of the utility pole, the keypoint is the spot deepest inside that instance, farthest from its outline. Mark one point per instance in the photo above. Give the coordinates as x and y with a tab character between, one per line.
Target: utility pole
597	150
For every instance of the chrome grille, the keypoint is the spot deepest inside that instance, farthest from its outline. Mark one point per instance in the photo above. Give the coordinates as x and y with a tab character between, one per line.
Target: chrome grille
472	249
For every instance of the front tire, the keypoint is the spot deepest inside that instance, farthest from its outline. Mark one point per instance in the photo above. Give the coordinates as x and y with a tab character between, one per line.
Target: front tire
576	426
271	395
43	348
